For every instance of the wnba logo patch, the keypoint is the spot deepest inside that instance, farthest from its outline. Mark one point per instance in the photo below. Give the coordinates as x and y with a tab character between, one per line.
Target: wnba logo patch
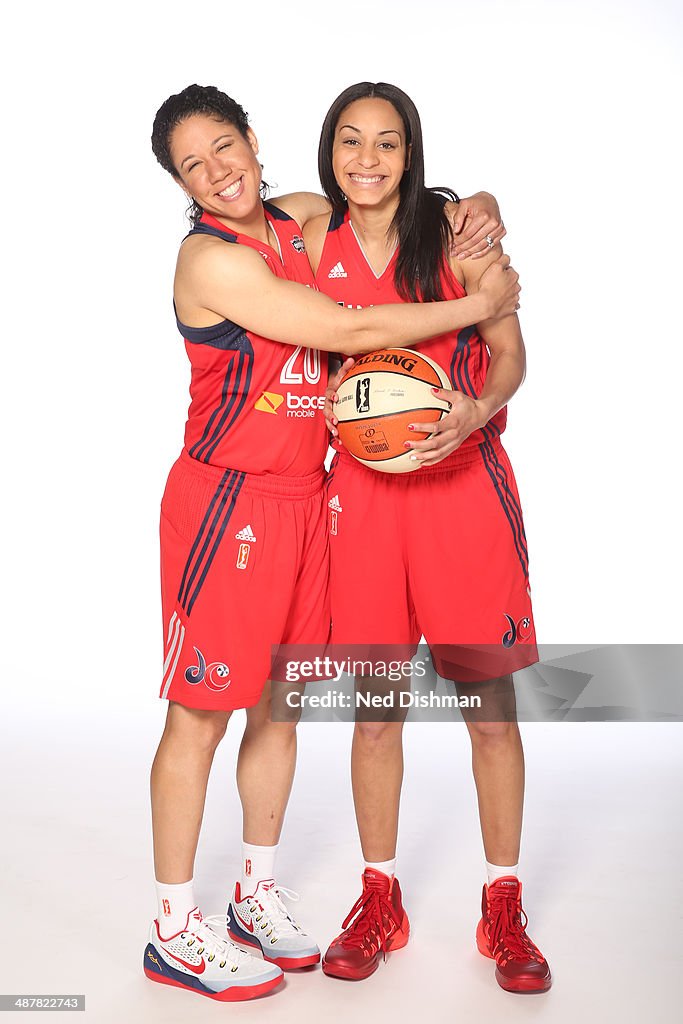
335	508
215	676
243	556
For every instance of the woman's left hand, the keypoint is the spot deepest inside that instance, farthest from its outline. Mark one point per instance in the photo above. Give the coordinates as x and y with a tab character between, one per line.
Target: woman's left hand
466	415
475	220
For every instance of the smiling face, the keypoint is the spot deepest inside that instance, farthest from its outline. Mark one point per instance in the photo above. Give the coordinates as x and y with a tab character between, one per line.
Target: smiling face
369	153
217	166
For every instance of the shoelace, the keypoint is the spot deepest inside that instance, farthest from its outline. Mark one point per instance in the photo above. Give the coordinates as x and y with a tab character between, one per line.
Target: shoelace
278	916
215	945
372	906
507	933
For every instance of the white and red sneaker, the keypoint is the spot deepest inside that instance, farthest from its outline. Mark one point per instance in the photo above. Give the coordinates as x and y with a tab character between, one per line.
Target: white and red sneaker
262	920
199	960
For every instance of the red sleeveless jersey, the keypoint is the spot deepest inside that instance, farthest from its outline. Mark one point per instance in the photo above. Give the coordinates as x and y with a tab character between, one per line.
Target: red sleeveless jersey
256	404
346	276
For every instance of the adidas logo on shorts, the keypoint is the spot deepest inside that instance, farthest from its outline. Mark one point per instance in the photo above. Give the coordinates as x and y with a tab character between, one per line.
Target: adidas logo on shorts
246	534
337	271
333	503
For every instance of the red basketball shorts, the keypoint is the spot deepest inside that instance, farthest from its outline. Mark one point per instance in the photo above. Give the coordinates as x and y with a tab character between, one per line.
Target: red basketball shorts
439	552
244	568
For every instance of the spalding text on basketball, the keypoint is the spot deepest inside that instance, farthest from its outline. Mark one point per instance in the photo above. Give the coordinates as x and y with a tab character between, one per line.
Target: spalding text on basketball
392	358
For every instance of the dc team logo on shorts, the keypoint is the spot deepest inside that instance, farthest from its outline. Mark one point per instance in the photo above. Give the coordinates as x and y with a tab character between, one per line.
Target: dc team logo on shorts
298	243
215	676
520	630
363	395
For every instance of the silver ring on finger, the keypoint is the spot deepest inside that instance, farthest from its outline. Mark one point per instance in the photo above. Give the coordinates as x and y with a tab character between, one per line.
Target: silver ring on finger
489	241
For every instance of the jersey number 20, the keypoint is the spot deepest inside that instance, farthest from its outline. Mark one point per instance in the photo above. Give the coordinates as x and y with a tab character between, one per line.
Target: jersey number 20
311	367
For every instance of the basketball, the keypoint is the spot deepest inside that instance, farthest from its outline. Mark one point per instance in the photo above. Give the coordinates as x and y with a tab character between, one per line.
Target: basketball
380	395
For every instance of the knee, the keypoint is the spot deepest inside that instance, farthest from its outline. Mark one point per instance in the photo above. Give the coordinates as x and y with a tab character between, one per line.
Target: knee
492	734
260	721
374	733
200	730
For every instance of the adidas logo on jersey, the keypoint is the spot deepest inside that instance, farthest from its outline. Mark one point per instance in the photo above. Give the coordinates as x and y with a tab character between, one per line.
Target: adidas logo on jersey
333	503
246	534
337	271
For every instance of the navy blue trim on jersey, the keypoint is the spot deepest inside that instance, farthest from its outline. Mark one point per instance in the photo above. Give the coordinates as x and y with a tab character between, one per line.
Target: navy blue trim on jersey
508	502
460	374
209	229
331	471
233	398
276	213
154	963
209	536
225	336
336	220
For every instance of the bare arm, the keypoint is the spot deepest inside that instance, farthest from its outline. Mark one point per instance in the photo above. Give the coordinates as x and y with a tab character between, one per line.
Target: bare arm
503	338
302	206
216	281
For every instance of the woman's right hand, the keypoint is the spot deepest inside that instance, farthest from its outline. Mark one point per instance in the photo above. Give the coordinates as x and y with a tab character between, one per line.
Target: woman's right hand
500	283
331	397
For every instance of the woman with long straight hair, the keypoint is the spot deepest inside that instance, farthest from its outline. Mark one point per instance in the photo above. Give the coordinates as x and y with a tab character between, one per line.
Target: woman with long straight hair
244	553
443	548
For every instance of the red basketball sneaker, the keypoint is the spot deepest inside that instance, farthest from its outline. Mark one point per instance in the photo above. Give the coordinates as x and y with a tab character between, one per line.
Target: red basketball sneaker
501	935
377	923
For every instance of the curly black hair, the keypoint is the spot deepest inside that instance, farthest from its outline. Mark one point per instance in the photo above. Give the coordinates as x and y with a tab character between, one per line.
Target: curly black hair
195	99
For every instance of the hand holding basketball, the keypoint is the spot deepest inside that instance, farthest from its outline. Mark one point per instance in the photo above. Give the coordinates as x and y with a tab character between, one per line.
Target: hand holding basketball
331	397
449	433
500	283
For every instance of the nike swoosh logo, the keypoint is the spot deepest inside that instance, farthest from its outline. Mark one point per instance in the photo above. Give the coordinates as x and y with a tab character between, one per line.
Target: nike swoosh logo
196	969
249	927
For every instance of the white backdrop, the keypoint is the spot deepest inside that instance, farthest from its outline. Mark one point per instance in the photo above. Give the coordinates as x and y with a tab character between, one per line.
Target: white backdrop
568	112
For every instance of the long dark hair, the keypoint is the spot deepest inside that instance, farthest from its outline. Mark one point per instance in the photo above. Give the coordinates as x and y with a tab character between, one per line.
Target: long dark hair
422	227
195	99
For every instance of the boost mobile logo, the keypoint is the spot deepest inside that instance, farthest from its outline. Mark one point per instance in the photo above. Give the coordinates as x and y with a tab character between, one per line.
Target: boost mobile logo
363	395
269	401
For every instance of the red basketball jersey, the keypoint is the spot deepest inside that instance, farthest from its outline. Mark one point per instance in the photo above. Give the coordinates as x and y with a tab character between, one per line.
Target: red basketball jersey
256	404
346	276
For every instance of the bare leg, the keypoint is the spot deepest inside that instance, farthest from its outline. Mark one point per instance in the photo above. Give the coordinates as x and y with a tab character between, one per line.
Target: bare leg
498	766
376	775
265	771
180	775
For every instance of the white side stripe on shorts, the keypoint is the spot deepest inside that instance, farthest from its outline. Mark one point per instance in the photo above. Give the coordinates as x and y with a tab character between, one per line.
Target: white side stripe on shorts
176	646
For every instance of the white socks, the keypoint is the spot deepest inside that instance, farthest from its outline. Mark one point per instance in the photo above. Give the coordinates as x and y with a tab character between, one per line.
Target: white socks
495	871
174	904
258	863
387	867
